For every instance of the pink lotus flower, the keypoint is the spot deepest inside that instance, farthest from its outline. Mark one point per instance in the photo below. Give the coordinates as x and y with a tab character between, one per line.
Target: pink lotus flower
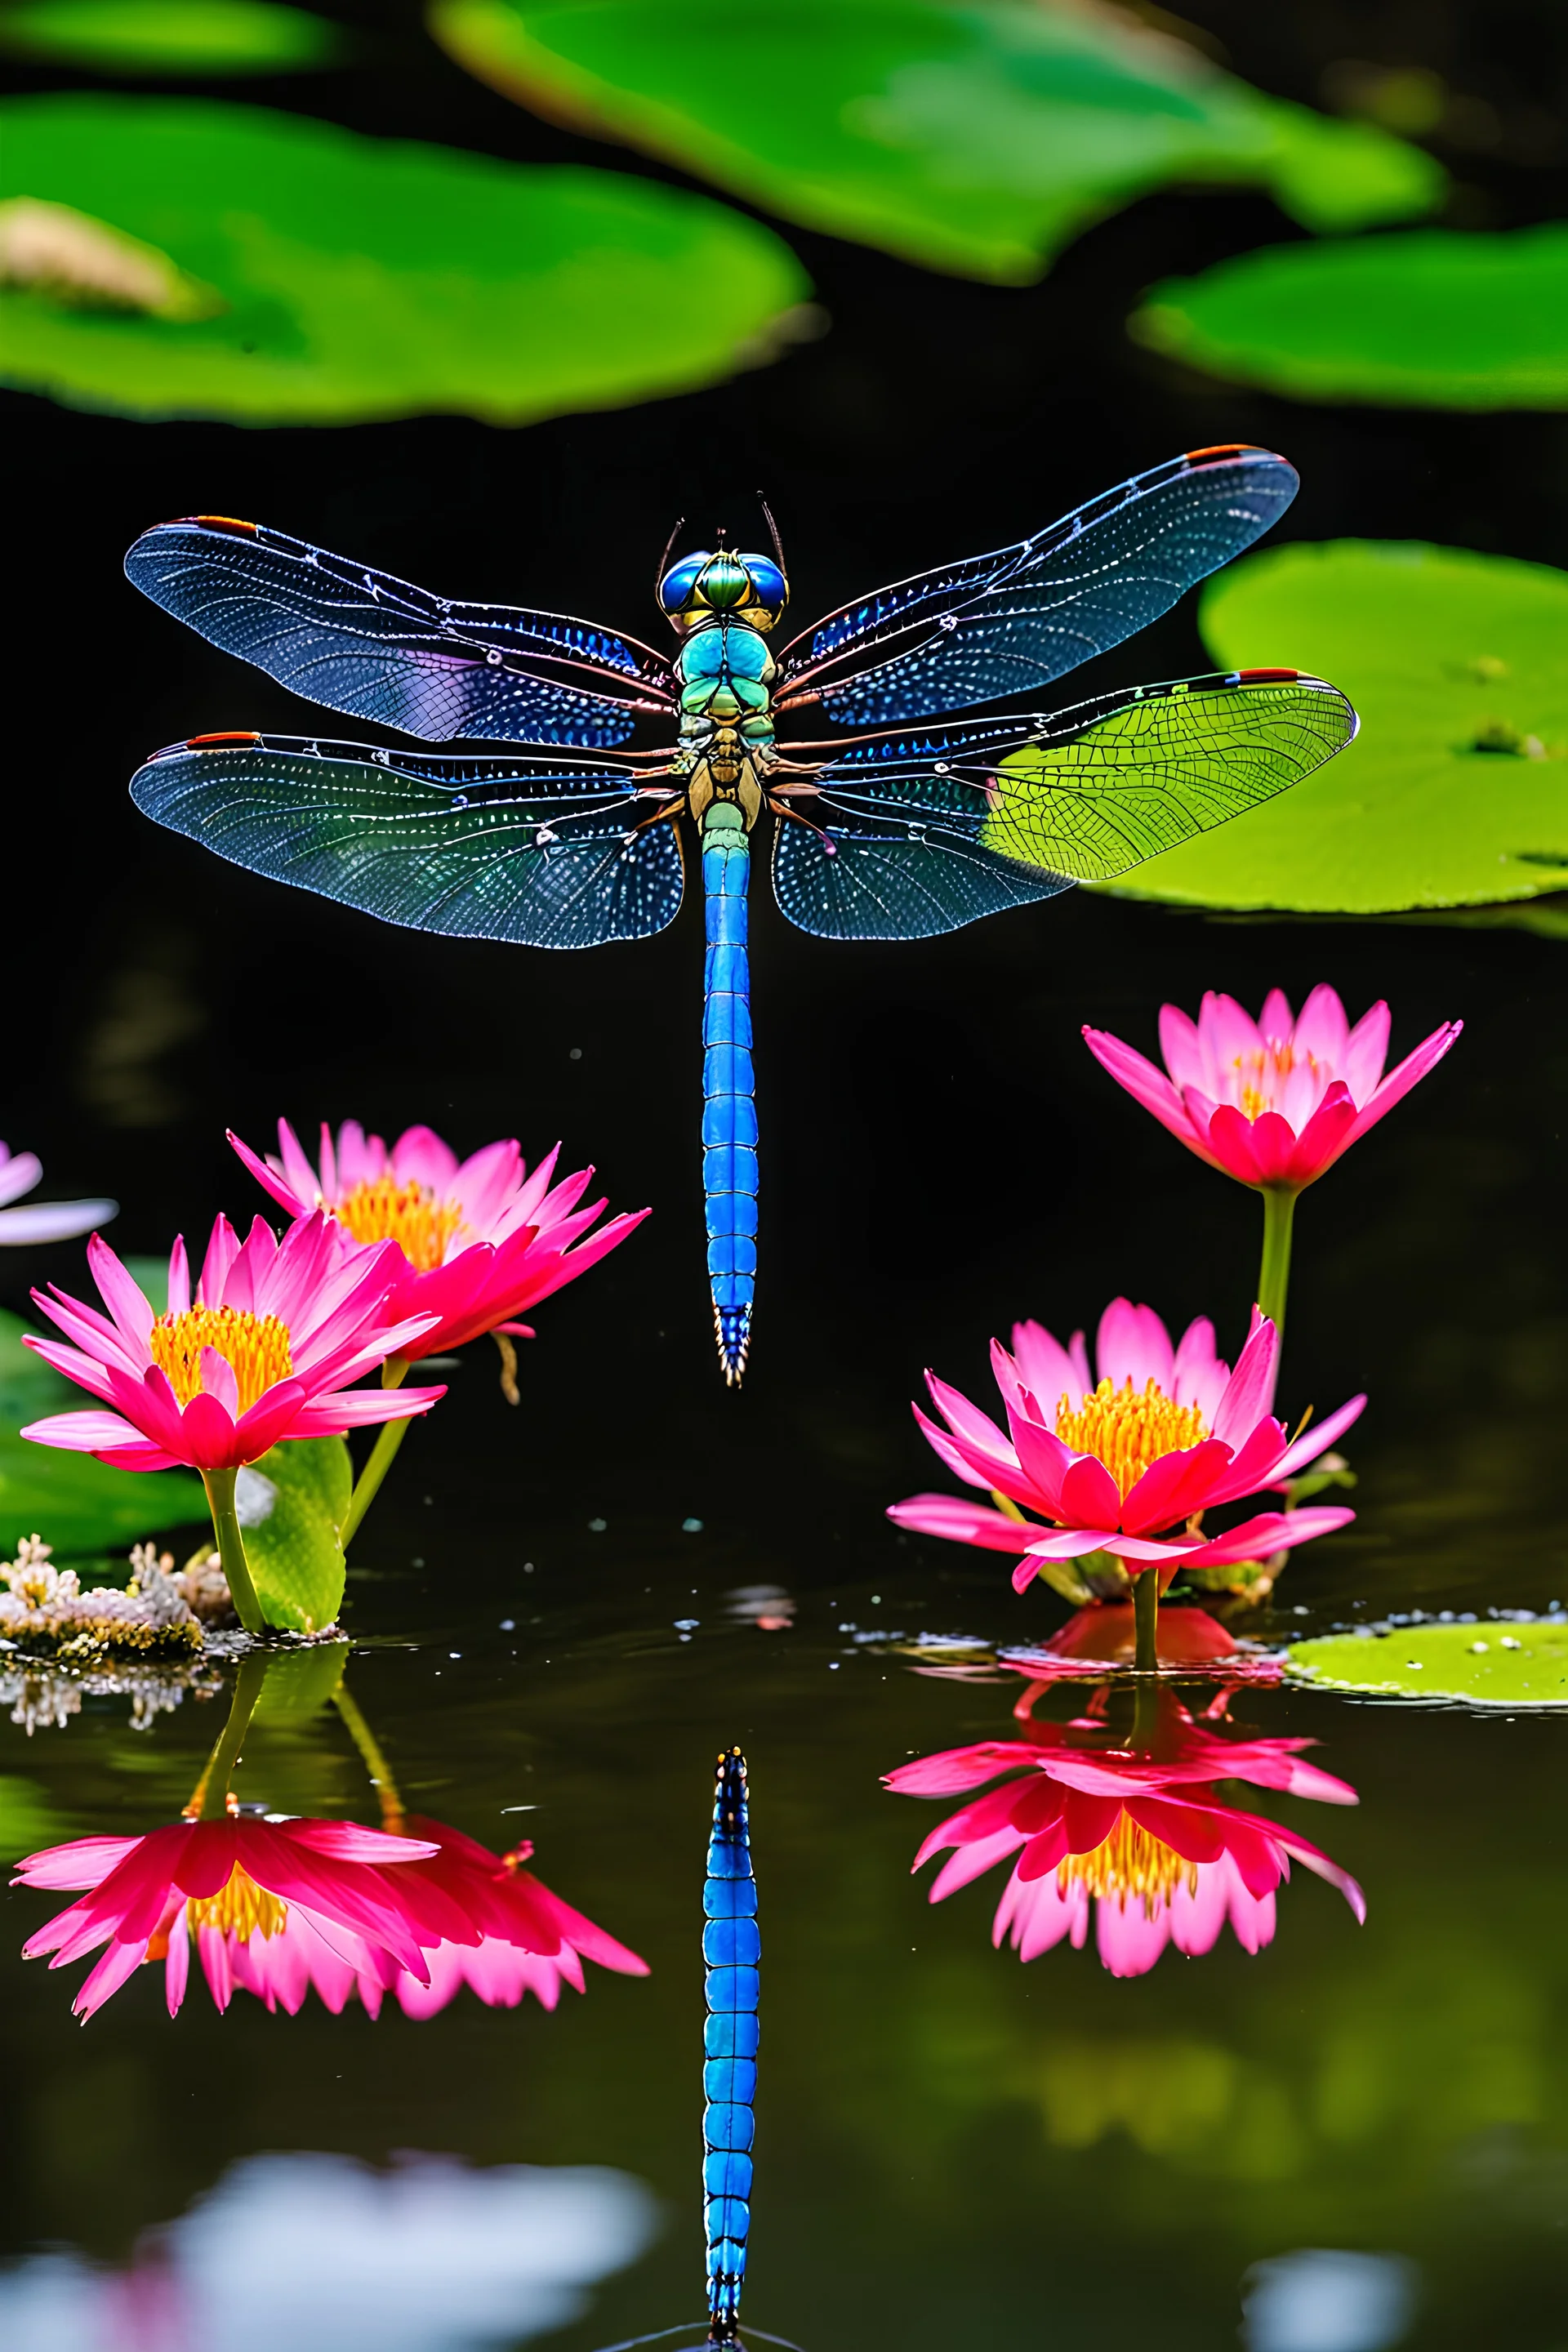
477	1241
46	1220
226	1883
1135	1833
482	1920
267	1349
1274	1101
1165	1435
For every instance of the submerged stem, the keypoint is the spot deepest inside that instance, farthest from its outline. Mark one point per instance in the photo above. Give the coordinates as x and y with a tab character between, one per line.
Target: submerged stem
1274	1273
209	1798
219	1484
375	1763
1146	1621
383	1455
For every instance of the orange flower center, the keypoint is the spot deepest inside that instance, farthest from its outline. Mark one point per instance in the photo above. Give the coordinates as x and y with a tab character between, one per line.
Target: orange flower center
1127	1430
256	1346
1130	1862
241	1909
382	1210
1260	1076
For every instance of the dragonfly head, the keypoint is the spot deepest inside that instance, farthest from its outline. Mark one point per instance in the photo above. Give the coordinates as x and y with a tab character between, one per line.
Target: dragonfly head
712	585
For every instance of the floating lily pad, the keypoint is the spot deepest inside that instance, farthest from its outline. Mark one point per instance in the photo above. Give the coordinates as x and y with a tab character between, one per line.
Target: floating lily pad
979	139
291	1504
76	1504
367	278
1432	319
1489	1664
1456	792
170	36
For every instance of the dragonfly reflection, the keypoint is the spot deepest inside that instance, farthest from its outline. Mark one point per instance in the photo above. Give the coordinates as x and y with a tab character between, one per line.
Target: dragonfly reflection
1121	1819
916	827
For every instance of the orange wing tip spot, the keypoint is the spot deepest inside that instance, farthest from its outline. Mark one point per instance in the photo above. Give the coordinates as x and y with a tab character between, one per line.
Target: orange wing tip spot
1267	676
201	742
222	523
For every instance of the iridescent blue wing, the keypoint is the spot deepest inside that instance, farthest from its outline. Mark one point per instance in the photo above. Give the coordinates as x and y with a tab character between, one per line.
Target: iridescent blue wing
1005	623
543	854
363	642
928	828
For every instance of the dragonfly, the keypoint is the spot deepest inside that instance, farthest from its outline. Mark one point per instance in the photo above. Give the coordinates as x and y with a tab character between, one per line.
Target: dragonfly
903	821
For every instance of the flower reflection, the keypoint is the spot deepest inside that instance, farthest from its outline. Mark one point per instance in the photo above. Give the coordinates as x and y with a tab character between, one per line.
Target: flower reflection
46	1220
432	2256
1125	1825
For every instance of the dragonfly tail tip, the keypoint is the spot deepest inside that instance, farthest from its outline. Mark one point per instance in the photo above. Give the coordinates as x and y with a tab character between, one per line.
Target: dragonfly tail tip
732	1330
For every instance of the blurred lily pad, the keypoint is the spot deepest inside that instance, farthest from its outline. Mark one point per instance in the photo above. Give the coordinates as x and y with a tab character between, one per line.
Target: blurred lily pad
1456	792
28	1819
291	1503
976	138
170	36
1495	1664
1432	319
76	1504
367	278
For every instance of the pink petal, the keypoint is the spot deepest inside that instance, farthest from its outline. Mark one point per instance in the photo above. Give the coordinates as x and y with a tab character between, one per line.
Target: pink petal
1409	1072
951	1517
1323	1032
1148	1086
1132	1344
1366	1050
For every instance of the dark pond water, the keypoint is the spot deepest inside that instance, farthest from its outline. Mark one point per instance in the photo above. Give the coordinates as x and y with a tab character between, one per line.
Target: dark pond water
954	2147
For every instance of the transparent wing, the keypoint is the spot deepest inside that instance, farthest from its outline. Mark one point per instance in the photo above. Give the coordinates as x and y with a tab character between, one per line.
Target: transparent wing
1008	623
930	828
362	642
541	853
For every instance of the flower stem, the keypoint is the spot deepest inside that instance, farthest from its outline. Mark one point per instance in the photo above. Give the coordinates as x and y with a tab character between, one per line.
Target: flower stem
384	1453
1146	1621
219	1484
375	1763
209	1798
1274	1274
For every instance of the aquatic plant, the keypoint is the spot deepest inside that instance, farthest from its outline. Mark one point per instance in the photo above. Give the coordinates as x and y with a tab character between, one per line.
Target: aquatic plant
46	1220
1115	1465
264	1351
1273	1102
1127	1825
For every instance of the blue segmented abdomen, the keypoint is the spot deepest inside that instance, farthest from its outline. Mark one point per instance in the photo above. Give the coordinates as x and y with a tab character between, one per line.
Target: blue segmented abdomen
731	1949
729	1109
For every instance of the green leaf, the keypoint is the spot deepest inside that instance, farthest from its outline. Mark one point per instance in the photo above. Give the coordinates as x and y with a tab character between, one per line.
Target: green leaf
1432	319
78	1505
979	139
1493	1664
291	1504
1456	792
170	36
365	279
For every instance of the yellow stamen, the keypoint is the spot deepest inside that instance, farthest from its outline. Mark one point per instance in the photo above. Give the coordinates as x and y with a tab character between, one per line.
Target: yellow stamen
382	1210
241	1909
1127	1432
1130	1862
257	1346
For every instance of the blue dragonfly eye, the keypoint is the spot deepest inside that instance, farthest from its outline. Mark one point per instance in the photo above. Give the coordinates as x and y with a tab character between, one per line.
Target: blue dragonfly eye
674	589
770	589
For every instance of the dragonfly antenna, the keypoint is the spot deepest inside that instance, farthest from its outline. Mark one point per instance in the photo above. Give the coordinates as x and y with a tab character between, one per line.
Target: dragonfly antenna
664	558
772	531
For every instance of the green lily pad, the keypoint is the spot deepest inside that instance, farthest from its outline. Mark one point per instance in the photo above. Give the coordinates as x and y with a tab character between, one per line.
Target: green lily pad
1433	319
291	1504
363	279
170	36
78	1505
976	138
1488	1664
1456	792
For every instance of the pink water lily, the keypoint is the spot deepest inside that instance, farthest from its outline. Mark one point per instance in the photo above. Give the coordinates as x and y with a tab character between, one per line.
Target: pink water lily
482	1920
1275	1101
267	1348
46	1220
1131	1831
479	1241
221	1885
1114	1464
